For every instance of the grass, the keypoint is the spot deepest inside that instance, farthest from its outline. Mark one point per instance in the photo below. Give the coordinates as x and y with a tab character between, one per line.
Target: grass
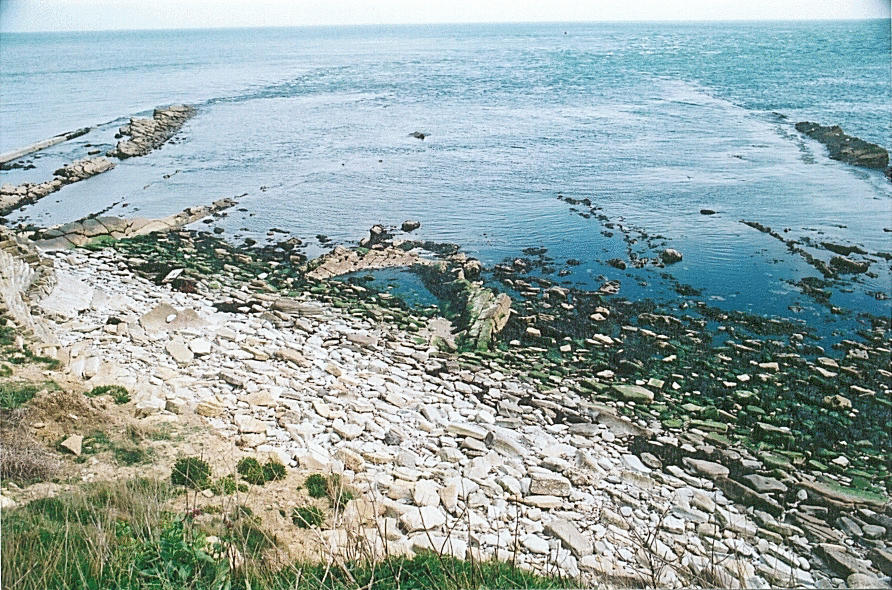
254	473
307	516
320	486
120	535
317	485
119	393
15	394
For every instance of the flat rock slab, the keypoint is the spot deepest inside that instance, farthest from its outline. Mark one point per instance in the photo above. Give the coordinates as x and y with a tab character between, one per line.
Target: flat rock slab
73	443
570	537
704	468
69	297
764	485
425	518
179	351
550	484
634	393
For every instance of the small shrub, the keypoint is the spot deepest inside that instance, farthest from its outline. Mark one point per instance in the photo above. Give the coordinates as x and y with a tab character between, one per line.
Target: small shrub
273	470
24	460
251	471
317	485
191	472
250	538
307	516
254	473
340	497
225	486
5	370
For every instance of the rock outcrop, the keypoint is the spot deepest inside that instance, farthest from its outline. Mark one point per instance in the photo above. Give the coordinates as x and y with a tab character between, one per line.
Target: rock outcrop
846	148
84	231
149	134
14	196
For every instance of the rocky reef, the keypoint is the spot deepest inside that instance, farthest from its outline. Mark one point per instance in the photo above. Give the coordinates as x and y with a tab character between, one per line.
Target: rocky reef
95	230
14	196
149	134
145	136
846	148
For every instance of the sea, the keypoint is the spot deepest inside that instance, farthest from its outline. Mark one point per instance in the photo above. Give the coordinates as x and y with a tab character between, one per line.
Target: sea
651	122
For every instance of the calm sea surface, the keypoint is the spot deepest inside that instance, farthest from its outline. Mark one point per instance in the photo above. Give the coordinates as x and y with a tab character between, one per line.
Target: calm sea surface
651	122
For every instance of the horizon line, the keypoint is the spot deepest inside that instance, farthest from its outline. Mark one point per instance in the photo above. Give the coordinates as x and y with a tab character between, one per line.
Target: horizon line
447	23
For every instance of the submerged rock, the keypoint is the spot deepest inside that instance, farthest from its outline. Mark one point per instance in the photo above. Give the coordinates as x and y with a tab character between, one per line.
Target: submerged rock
846	265
846	148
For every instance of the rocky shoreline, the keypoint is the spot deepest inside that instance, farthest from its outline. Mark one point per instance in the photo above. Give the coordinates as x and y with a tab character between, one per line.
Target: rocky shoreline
590	438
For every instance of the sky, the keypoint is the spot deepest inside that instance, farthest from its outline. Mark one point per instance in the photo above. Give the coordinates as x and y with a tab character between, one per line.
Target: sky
84	15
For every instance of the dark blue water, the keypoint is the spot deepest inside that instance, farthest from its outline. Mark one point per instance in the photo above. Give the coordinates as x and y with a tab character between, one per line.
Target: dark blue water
651	122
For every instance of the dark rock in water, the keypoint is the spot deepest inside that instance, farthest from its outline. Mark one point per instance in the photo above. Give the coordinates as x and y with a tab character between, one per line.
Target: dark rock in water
707	212
573	262
410	225
617	263
841	249
848	266
846	148
670	256
377	234
418	135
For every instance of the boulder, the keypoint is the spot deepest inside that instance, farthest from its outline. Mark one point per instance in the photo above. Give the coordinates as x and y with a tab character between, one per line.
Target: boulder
670	256
570	537
73	444
634	393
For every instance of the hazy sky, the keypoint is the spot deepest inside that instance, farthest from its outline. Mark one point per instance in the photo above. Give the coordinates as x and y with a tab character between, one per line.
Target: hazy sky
75	15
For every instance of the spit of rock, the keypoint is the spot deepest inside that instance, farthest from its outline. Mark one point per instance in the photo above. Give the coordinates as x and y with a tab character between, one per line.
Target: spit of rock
14	196
149	134
846	148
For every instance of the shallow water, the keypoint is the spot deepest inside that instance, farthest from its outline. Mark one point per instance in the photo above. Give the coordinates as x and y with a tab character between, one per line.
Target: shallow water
651	122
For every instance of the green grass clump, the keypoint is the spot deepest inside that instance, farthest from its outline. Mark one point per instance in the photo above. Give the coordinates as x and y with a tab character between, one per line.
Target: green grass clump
317	485
131	455
119	535
320	486
225	486
15	394
191	472
254	473
307	516
119	393
251	471
273	470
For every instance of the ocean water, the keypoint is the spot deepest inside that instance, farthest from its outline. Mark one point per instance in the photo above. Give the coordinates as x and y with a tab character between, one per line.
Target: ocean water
651	122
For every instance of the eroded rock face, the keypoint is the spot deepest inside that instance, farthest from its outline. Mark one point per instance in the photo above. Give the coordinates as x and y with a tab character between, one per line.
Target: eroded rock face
149	134
846	148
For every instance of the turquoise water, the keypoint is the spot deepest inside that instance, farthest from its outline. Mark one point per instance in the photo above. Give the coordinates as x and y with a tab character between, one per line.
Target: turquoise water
651	122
